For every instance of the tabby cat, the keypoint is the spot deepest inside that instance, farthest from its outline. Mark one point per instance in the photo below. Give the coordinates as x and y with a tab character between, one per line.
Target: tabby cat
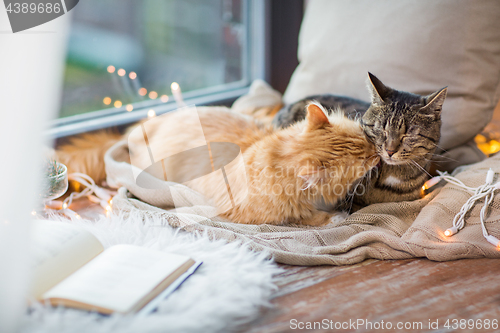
285	171
404	127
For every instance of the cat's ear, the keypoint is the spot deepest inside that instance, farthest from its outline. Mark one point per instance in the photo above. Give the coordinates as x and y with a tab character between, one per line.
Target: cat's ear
434	102
316	116
378	90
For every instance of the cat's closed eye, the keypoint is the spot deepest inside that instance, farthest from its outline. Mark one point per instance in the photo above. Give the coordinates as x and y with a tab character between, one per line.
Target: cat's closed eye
364	123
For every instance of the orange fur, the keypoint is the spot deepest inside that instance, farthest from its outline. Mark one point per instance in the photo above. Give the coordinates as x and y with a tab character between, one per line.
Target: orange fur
264	114
85	153
286	170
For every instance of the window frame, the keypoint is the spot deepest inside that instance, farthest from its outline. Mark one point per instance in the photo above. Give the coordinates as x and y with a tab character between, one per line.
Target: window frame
255	59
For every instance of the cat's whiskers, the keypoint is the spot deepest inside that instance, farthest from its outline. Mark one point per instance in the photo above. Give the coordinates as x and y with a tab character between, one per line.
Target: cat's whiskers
368	176
420	167
368	158
411	165
437	146
441	156
352	194
349	199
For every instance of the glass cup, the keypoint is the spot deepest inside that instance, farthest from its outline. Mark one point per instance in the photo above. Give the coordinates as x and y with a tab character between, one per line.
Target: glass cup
56	185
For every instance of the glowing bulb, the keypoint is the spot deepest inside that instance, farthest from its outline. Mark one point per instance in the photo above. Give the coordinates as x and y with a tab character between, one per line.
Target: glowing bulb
132	75
118	104
151	113
176	91
106	100
108	208
111	69
423	190
65	205
493	240
33	213
129	107
78	216
110	202
451	231
143	91
494	146
121	72
480	139
153	95
164	98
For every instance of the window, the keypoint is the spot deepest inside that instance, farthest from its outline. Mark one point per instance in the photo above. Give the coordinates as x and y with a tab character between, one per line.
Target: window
124	55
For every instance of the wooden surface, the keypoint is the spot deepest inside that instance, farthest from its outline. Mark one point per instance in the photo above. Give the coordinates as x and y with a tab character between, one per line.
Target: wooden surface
87	209
411	292
396	291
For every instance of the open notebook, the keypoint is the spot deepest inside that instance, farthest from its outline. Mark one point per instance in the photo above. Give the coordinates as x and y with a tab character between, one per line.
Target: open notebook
71	268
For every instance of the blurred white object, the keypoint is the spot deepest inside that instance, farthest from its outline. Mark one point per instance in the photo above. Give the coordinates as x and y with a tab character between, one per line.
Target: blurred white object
31	68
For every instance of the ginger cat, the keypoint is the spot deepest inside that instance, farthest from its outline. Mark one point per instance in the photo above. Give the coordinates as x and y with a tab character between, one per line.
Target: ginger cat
284	171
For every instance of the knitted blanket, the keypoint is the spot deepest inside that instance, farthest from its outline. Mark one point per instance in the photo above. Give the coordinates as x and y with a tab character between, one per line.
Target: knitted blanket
398	230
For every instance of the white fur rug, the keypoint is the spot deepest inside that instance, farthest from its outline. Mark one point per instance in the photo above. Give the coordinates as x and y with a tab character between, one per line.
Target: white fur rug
226	291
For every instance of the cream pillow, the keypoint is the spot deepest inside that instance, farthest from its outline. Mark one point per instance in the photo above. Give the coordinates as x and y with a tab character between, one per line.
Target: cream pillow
416	46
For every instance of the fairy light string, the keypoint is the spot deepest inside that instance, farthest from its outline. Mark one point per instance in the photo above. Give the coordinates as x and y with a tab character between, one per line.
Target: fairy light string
92	191
131	85
485	191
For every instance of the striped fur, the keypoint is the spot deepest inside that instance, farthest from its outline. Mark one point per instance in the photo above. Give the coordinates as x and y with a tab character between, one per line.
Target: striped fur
405	129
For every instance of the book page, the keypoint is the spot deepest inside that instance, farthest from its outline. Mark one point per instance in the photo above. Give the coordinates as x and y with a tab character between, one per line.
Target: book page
58	250
119	278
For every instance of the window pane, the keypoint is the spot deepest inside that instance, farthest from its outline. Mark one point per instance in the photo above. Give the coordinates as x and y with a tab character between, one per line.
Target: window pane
125	51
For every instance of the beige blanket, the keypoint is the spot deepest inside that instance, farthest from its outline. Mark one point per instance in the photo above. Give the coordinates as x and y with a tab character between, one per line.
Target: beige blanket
382	231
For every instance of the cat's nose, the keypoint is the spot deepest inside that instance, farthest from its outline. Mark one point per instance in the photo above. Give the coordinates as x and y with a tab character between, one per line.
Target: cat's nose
390	152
